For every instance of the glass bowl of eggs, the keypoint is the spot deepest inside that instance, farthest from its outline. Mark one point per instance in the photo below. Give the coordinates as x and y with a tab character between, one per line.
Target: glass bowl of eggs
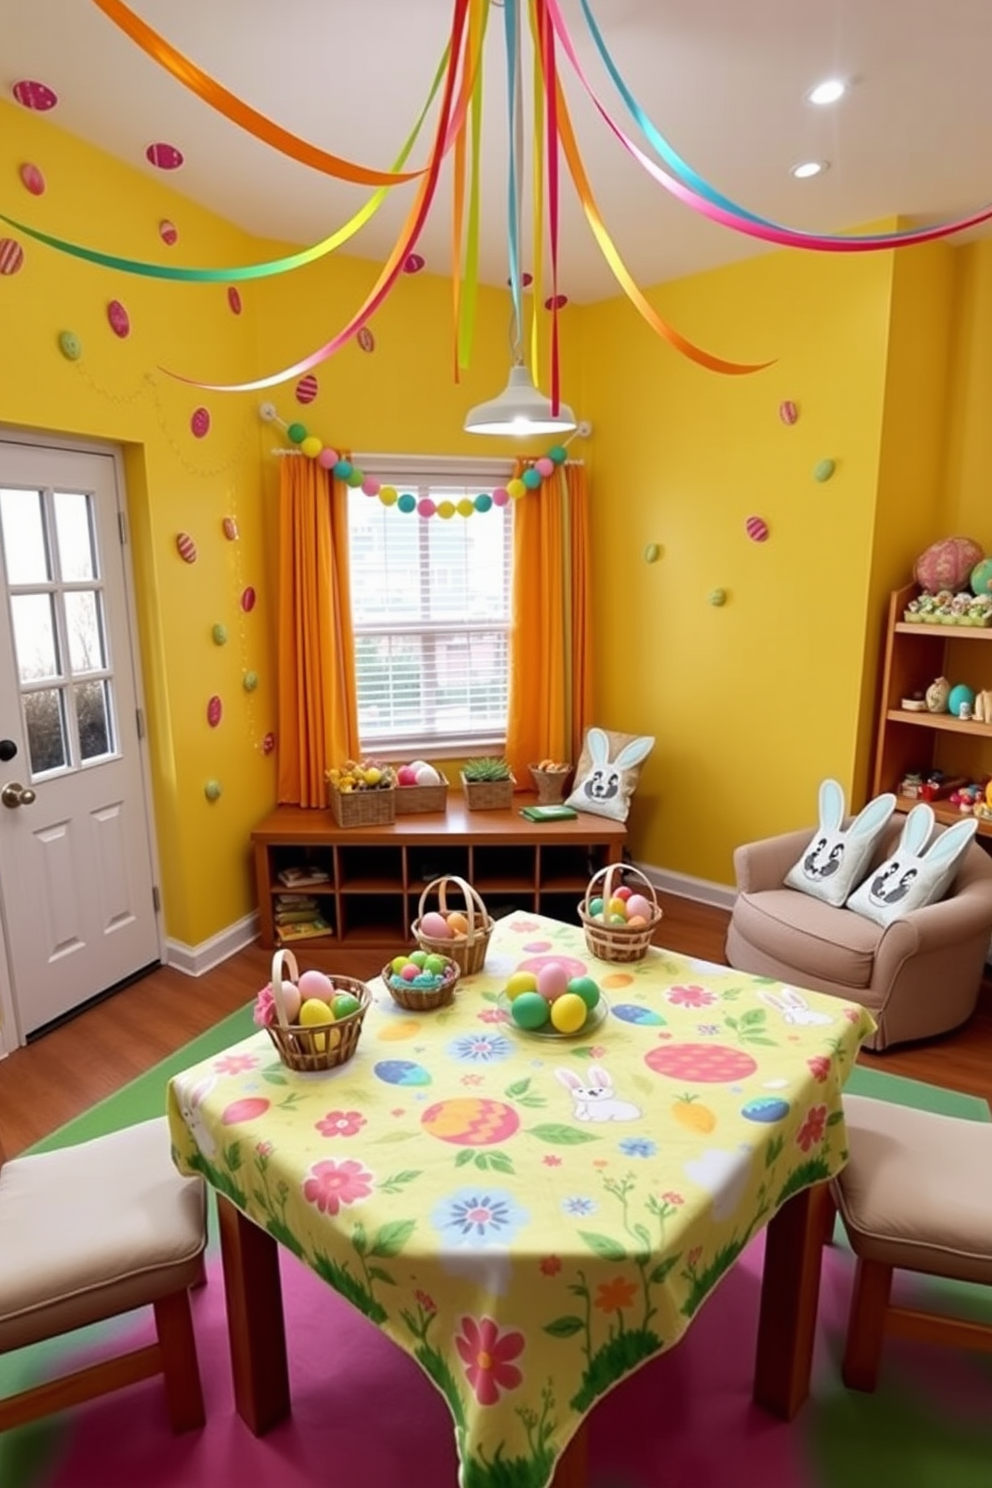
550	1004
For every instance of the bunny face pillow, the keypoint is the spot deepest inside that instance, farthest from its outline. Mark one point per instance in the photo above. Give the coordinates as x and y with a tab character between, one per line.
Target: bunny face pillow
915	874
836	858
607	772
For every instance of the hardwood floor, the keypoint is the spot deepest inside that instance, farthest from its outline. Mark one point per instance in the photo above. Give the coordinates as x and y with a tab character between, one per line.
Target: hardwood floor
68	1069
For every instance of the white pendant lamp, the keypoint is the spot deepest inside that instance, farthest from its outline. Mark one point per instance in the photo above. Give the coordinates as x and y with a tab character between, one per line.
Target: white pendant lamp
520	410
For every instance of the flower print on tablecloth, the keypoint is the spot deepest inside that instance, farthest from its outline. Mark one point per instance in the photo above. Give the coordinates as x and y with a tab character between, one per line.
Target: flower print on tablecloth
488	1358
480	1048
691	997
474	1217
329	1184
340	1124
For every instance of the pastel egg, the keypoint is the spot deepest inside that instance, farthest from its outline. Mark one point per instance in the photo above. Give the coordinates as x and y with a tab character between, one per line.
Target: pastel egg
458	923
787	411
32	179
11	259
426	775
435	926
168	232
518	982
215	711
234	299
637	922
471	1121
229	527
119	320
248	600
585	988
186	547
756	529
401	1072
568	1012
315	983
306	389
638	904
293	1000
436	965
219	634
552	980
630	1012
765	1108
212	790
199	423
616	906
530	1010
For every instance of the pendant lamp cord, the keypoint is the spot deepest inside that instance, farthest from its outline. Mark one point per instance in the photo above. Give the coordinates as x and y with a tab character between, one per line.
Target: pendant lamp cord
515	115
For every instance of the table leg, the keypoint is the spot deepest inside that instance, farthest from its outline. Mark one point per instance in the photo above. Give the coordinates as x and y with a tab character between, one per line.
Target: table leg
790	1293
256	1330
571	1471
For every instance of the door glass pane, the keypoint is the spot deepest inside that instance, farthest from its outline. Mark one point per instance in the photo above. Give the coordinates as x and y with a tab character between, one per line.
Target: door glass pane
43	715
84	632
24	549
74	532
34	636
92	719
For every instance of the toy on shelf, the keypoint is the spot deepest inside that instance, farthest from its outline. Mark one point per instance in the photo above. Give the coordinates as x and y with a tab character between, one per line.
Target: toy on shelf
946	607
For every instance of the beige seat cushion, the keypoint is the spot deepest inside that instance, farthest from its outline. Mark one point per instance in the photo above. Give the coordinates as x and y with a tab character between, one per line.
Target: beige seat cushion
815	939
93	1230
917	1190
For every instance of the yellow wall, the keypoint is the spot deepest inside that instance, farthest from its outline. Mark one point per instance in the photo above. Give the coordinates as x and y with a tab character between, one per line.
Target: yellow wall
752	702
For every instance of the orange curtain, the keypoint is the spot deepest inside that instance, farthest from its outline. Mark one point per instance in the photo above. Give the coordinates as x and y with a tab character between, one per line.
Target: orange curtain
551	631
318	714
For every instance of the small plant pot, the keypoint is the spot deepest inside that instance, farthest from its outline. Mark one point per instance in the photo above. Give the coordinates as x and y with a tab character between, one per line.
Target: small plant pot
488	795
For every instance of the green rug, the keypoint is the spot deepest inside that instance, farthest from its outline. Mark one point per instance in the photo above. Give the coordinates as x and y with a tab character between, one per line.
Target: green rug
144	1098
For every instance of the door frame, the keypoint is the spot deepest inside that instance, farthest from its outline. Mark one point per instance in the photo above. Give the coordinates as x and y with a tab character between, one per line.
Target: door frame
82	445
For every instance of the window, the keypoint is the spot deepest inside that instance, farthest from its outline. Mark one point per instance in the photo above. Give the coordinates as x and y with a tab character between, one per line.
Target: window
430	601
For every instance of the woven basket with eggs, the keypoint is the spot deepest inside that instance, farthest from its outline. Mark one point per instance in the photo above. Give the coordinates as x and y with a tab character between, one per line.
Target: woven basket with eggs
619	918
460	931
306	1039
420	787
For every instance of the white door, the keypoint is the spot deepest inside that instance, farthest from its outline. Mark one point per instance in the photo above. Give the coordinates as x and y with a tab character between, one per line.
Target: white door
76	853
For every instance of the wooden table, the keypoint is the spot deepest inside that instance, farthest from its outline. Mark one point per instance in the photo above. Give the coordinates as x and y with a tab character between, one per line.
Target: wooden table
675	1200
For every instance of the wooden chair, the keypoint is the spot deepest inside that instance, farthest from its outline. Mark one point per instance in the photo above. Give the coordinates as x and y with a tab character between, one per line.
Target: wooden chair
916	1195
91	1231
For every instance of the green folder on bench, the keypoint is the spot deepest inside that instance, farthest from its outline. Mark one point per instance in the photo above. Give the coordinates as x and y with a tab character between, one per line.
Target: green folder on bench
548	813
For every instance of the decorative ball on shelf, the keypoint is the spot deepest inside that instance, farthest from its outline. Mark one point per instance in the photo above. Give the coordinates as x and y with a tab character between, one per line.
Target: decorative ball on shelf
947	564
980	579
960	696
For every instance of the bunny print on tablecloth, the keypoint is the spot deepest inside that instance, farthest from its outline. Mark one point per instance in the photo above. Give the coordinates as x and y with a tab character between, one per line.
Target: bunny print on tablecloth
190	1098
794	1008
595	1099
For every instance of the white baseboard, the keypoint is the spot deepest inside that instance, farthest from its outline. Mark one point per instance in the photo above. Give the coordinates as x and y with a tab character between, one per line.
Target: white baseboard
687	887
195	960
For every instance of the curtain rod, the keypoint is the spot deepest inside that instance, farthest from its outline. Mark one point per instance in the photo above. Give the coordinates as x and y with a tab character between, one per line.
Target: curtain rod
439	464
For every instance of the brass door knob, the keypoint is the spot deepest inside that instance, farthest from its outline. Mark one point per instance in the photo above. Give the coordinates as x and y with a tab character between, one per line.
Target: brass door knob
14	795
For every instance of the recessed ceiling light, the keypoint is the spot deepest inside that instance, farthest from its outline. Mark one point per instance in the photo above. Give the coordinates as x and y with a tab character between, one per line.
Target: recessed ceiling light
828	91
807	168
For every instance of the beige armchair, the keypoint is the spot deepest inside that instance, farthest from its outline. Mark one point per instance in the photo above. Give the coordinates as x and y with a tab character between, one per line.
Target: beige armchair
919	976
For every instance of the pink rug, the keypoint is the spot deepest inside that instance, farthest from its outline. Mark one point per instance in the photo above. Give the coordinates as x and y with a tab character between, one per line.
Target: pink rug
364	1416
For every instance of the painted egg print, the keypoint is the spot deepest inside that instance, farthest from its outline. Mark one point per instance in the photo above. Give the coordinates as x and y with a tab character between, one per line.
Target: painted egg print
701	1064
470	1121
630	1012
11	256
234	299
186	547
401	1072
164	156
215	711
31	94
307	389
756	529
765	1108
168	232
32	179
248	600
199	422
365	339
120	323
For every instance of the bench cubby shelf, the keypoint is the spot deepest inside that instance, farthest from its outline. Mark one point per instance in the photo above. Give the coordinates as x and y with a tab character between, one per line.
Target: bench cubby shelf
376	875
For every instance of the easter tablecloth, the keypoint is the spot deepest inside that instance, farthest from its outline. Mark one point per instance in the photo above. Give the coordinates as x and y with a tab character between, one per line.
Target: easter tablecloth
533	1219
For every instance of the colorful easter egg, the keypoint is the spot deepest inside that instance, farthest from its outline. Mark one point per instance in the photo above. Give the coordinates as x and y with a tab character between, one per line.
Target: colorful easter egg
31	94
164	156
585	988
215	711
717	597
765	1108
314	983
168	232
787	411
219	634
365	339
457	922
186	547
556	302
756	529
199	422
229	527
249	681
401	1072
552	980
631	1012
823	470
70	346
652	553
701	1064
413	263
268	743
639	904
120	324
11	256
568	1012
435	926
530	1010
616	979
947	564
470	1121
306	389
247	1109
572	966
520	981
234	299
32	179
212	790
248	599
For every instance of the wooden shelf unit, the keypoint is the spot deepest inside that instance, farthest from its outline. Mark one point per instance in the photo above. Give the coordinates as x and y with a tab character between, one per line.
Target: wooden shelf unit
377	874
915	655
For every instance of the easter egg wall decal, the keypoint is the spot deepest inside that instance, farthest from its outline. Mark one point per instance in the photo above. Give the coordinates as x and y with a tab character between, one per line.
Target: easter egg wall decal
248	600
756	529
268	743
11	256
229	527
70	346
31	94
234	299
718	597
164	156
186	547
118	318
212	790
219	634
823	470
365	339
413	263
307	389
32	179
168	232
250	681
652	553
215	711
199	422
788	412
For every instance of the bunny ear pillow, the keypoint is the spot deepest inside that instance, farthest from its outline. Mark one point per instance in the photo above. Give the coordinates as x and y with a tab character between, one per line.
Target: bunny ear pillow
837	858
916	874
608	770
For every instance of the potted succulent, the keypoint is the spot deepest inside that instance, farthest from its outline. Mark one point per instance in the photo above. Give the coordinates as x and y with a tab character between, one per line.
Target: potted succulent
488	784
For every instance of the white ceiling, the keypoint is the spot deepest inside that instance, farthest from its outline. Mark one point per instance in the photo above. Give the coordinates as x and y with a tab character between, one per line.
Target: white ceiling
723	80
